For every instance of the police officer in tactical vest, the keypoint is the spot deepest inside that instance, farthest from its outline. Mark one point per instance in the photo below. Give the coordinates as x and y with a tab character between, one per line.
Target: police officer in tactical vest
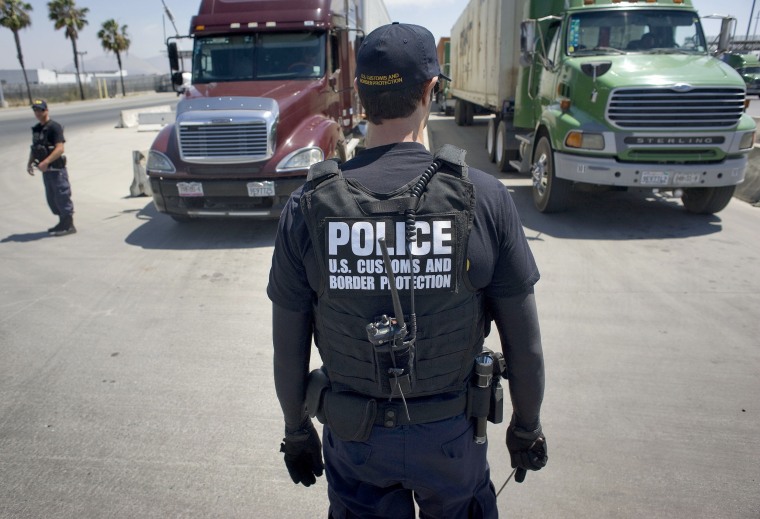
47	155
395	263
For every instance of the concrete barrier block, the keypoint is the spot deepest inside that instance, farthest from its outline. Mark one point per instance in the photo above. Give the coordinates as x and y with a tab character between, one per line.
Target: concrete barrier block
129	118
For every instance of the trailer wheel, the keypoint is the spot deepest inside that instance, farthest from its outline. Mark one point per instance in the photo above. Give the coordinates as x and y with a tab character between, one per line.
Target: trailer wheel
459	112
550	194
469	113
502	153
491	139
707	200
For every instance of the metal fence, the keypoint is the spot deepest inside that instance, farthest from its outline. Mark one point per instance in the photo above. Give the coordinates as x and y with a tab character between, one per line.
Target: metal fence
98	88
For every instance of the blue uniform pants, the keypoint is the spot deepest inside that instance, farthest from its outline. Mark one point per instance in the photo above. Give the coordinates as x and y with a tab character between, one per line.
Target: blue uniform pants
58	191
437	464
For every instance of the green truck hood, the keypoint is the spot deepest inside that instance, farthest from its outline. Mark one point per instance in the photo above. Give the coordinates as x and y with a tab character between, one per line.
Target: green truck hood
635	70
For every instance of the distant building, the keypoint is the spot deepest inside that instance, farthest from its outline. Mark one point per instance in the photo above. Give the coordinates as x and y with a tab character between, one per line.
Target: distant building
41	76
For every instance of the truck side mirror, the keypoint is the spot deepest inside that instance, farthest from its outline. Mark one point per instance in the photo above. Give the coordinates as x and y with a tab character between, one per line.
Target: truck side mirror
177	79
727	26
527	42
173	57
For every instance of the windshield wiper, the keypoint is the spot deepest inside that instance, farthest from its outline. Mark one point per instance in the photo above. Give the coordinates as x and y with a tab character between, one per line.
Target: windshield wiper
597	50
669	50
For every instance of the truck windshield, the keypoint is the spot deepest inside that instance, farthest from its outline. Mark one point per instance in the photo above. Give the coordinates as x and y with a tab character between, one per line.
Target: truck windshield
634	31
258	56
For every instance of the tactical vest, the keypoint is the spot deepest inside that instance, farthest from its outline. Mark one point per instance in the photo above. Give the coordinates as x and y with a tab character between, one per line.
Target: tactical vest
345	221
42	147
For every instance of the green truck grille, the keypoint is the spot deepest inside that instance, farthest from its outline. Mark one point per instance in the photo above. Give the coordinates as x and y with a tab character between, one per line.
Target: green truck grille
667	108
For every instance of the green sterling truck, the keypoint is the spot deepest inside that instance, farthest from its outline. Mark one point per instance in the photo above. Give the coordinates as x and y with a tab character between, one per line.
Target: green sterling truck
605	93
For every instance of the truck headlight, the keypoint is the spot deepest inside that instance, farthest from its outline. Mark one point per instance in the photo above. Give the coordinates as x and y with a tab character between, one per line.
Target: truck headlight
583	140
748	140
301	159
159	162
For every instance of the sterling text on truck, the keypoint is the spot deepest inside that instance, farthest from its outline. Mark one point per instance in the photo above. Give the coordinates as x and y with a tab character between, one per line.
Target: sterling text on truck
605	94
271	94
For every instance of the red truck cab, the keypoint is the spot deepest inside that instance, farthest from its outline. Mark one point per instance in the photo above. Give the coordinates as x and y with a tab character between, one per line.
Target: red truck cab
271	94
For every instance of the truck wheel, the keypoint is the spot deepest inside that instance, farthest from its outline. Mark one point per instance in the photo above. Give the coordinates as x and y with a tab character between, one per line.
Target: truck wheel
491	139
502	154
707	200
469	113
550	194
459	112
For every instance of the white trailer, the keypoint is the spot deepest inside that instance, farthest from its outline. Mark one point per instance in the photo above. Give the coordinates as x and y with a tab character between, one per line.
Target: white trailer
485	57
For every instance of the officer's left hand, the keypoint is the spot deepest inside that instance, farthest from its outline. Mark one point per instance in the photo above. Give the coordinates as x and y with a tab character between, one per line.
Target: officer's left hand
303	455
527	450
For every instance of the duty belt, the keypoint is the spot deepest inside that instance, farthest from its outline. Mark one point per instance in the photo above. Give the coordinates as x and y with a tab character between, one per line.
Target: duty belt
421	410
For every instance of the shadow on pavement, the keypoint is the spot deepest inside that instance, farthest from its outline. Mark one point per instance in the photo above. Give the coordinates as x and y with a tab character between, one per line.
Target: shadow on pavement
160	231
30	236
614	216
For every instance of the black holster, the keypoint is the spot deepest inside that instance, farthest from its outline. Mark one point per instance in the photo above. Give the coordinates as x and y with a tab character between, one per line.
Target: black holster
350	416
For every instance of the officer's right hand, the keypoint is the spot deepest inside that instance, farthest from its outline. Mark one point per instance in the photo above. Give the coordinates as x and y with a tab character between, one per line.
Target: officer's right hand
30	169
527	450
303	454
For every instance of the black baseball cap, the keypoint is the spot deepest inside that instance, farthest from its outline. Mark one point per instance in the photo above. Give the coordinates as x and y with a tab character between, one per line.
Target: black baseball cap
397	56
39	104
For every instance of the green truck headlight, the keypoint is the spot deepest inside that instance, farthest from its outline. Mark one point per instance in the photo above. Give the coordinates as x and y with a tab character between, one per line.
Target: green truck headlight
159	162
587	141
301	159
748	140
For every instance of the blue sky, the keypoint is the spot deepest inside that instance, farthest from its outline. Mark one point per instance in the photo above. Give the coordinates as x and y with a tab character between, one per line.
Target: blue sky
44	47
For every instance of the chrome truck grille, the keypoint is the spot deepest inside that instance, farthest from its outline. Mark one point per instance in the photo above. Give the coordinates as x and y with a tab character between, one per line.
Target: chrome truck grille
228	141
227	130
671	108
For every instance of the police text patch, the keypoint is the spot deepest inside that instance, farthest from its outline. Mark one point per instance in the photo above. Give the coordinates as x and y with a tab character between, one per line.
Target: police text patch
355	259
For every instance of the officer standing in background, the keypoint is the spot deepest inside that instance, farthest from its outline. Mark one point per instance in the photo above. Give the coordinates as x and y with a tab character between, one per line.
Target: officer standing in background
47	156
402	415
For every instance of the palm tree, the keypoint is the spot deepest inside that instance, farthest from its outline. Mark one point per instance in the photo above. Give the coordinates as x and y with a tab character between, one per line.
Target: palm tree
115	40
14	14
64	13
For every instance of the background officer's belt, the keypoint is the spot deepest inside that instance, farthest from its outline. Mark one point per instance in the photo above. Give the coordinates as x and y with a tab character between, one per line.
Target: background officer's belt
421	410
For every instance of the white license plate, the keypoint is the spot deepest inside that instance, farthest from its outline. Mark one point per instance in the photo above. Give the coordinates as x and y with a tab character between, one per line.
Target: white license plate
263	188
655	178
686	179
190	188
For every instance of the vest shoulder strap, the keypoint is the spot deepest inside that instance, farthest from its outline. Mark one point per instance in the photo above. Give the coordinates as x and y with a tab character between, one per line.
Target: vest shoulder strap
453	157
321	171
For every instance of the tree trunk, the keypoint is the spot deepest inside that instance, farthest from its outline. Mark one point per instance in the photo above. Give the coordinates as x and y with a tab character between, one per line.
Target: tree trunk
21	62
121	75
76	66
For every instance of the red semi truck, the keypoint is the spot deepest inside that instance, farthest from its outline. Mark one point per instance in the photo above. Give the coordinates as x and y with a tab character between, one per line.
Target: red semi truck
271	94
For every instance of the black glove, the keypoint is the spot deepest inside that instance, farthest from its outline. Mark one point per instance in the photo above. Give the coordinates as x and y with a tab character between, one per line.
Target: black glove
527	450
303	454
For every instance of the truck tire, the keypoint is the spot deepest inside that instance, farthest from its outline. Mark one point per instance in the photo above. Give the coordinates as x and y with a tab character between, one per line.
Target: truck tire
502	153
550	194
459	112
707	200
491	139
469	113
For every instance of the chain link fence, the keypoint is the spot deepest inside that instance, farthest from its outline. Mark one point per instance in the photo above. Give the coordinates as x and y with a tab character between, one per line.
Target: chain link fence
97	88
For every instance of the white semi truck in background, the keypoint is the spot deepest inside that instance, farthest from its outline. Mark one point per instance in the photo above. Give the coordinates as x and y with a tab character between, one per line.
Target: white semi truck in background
603	93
